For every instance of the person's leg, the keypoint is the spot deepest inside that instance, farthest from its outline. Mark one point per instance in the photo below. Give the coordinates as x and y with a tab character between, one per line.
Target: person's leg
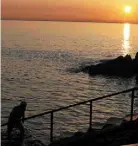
9	128
21	128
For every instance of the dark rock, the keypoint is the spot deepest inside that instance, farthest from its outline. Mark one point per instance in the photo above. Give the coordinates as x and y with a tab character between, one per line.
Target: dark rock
15	139
126	133
121	66
78	134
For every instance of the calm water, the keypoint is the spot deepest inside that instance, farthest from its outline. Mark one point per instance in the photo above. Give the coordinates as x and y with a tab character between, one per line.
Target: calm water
36	57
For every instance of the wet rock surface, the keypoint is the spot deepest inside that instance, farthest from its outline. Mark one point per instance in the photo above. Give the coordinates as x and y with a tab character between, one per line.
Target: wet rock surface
15	139
115	132
120	66
110	135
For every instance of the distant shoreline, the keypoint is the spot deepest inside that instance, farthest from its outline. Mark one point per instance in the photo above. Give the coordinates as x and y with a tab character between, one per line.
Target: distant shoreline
70	21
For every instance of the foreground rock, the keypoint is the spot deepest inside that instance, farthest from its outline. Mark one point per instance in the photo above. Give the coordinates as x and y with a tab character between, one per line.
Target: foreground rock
15	141
121	66
112	135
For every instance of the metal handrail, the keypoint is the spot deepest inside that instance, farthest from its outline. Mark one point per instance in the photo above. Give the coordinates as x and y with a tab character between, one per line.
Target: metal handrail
80	103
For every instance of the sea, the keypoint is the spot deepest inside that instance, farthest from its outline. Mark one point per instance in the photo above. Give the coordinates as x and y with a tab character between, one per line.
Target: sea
37	63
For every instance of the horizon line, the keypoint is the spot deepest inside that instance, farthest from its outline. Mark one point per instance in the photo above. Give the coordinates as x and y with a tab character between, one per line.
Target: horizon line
90	21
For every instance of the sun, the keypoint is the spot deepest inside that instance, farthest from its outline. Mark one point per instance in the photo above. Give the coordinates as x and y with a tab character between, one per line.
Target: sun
128	9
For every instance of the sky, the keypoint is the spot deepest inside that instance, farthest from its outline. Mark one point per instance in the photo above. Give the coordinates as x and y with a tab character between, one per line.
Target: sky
70	10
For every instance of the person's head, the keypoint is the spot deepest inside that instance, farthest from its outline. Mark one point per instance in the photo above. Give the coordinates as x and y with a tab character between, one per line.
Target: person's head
23	104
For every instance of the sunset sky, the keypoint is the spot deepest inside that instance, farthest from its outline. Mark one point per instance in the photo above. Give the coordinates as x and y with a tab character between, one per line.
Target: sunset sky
70	10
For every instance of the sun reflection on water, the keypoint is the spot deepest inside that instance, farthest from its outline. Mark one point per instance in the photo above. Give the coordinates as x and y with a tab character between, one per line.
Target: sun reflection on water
126	39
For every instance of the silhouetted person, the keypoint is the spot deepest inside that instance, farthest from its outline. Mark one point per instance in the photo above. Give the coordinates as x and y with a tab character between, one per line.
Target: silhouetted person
16	119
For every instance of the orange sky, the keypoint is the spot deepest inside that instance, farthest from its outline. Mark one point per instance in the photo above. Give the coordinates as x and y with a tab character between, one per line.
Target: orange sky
70	10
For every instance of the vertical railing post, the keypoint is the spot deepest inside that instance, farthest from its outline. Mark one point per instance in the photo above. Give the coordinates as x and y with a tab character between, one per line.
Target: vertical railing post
51	127
90	122
132	105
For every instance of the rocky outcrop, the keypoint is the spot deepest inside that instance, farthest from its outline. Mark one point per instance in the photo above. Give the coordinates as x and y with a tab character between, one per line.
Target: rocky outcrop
121	66
15	140
126	133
